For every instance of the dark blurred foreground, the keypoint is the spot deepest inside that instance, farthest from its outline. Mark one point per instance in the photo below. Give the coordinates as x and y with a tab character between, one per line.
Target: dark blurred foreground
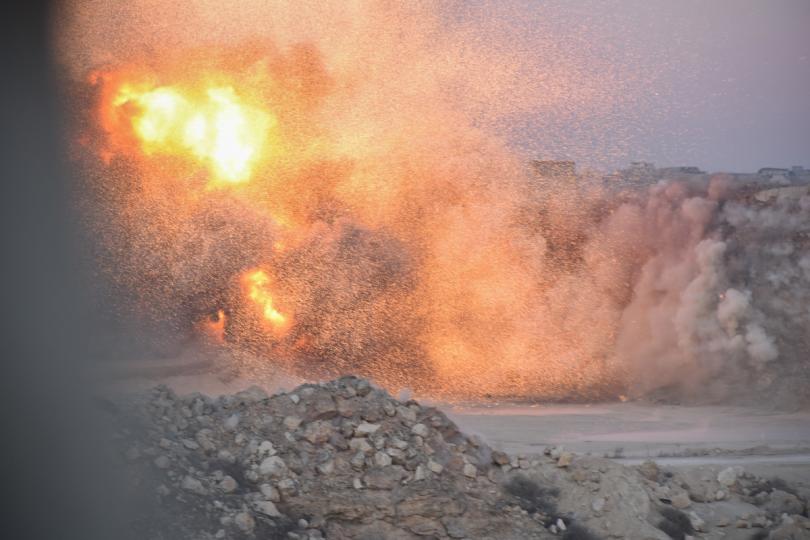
56	483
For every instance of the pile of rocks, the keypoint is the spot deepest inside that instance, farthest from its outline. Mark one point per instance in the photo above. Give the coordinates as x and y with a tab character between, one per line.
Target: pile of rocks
340	460
345	460
726	502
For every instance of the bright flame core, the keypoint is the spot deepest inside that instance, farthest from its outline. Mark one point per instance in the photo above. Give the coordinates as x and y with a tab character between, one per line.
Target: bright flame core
257	289
216	129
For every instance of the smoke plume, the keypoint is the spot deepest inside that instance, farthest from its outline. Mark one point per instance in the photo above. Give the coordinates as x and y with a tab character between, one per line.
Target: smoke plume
397	233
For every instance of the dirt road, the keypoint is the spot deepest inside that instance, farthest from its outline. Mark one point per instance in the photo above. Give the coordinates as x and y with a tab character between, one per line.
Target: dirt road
765	442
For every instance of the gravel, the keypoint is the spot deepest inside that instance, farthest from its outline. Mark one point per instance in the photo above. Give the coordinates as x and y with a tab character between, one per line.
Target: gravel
345	460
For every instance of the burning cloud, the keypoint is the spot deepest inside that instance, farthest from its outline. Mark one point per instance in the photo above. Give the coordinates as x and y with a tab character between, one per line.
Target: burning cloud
216	131
319	187
257	290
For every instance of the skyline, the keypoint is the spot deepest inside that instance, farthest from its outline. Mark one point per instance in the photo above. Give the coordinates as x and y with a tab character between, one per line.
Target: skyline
722	85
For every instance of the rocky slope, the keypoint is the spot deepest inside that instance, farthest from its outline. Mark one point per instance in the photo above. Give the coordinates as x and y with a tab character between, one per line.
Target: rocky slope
345	460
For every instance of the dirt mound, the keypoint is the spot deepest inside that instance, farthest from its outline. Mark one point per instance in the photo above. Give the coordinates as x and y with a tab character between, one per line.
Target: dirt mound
344	459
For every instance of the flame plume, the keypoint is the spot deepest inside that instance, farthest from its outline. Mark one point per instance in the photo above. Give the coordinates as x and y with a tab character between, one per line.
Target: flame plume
330	181
257	287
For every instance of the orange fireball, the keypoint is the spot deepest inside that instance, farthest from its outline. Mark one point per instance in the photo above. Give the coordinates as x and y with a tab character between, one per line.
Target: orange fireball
256	284
211	117
216	129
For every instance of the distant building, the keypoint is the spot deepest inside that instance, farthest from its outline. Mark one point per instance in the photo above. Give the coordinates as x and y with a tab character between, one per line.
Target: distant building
554	169
799	175
773	171
639	172
671	171
645	173
640	167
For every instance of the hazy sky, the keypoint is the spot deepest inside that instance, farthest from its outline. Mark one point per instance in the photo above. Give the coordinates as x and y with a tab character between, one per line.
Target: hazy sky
723	84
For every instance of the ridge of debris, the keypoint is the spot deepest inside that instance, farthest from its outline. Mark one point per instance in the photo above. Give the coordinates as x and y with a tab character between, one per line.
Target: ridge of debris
345	460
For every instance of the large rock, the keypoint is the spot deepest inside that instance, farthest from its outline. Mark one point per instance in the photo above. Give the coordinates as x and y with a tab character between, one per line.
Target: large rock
780	502
384	478
625	508
318	432
727	477
273	466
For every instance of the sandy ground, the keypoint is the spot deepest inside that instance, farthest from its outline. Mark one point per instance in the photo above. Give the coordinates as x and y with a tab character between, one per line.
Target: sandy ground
767	443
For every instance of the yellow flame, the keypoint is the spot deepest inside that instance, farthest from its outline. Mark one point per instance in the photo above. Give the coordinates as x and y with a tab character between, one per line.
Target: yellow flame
218	129
258	291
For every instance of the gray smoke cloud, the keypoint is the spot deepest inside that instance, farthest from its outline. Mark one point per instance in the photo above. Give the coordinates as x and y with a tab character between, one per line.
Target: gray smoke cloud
719	302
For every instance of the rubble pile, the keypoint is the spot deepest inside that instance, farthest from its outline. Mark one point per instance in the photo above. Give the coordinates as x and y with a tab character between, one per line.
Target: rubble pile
345	460
728	502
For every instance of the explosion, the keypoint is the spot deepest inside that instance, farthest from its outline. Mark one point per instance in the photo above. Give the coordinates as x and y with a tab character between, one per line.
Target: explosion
324	188
203	125
325	203
219	131
257	287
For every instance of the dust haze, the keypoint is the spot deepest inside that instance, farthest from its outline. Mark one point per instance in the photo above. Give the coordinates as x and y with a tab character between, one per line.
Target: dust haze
404	237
